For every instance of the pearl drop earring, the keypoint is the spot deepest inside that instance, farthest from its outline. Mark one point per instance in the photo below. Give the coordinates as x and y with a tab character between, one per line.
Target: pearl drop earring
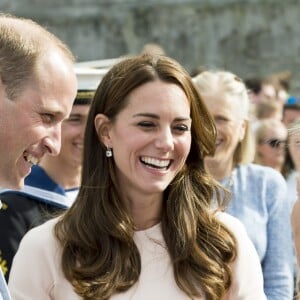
108	152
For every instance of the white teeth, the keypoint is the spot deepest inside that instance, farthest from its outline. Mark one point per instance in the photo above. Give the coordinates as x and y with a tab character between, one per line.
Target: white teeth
31	159
156	162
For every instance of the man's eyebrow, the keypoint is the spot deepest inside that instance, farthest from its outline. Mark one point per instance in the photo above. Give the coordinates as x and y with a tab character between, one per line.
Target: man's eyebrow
54	110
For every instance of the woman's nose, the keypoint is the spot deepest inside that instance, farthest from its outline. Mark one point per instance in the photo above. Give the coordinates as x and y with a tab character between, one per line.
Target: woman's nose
165	140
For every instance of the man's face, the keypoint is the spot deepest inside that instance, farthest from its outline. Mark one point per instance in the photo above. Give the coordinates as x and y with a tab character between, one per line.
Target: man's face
30	125
72	137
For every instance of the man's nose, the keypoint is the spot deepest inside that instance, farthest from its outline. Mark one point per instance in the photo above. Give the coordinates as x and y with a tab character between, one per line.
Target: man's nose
52	142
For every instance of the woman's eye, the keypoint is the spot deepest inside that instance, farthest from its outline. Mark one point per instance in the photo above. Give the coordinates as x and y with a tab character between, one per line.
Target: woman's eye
181	128
221	120
146	124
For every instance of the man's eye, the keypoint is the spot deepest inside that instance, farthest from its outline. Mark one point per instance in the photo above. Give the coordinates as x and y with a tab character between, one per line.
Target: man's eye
48	118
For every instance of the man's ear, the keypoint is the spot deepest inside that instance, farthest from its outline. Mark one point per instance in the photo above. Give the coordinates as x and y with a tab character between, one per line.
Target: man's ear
2	89
103	126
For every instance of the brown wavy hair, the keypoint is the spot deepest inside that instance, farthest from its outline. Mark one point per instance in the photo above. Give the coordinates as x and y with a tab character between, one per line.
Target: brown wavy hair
99	256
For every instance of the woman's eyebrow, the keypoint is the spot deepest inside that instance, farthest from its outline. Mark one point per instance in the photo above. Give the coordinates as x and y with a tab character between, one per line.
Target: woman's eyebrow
154	116
149	115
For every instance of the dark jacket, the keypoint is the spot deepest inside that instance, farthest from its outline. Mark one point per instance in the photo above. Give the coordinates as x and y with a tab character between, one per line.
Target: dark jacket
39	200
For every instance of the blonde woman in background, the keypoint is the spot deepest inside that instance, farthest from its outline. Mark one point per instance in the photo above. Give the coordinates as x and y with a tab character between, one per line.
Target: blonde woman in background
271	140
258	192
292	161
292	172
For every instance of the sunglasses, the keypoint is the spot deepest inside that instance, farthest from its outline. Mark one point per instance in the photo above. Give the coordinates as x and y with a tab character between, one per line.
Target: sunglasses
274	143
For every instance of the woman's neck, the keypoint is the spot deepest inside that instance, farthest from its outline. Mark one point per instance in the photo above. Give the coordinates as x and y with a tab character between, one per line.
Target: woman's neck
146	211
217	170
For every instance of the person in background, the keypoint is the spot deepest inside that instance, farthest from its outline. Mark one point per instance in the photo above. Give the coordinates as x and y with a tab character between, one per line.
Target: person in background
271	142
291	110
37	88
282	81
295	221
292	161
260	89
50	188
258	192
274	87
142	226
272	148
269	110
292	172
153	49
266	110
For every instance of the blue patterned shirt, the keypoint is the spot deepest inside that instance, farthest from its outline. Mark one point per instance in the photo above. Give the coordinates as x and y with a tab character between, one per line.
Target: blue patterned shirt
259	202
